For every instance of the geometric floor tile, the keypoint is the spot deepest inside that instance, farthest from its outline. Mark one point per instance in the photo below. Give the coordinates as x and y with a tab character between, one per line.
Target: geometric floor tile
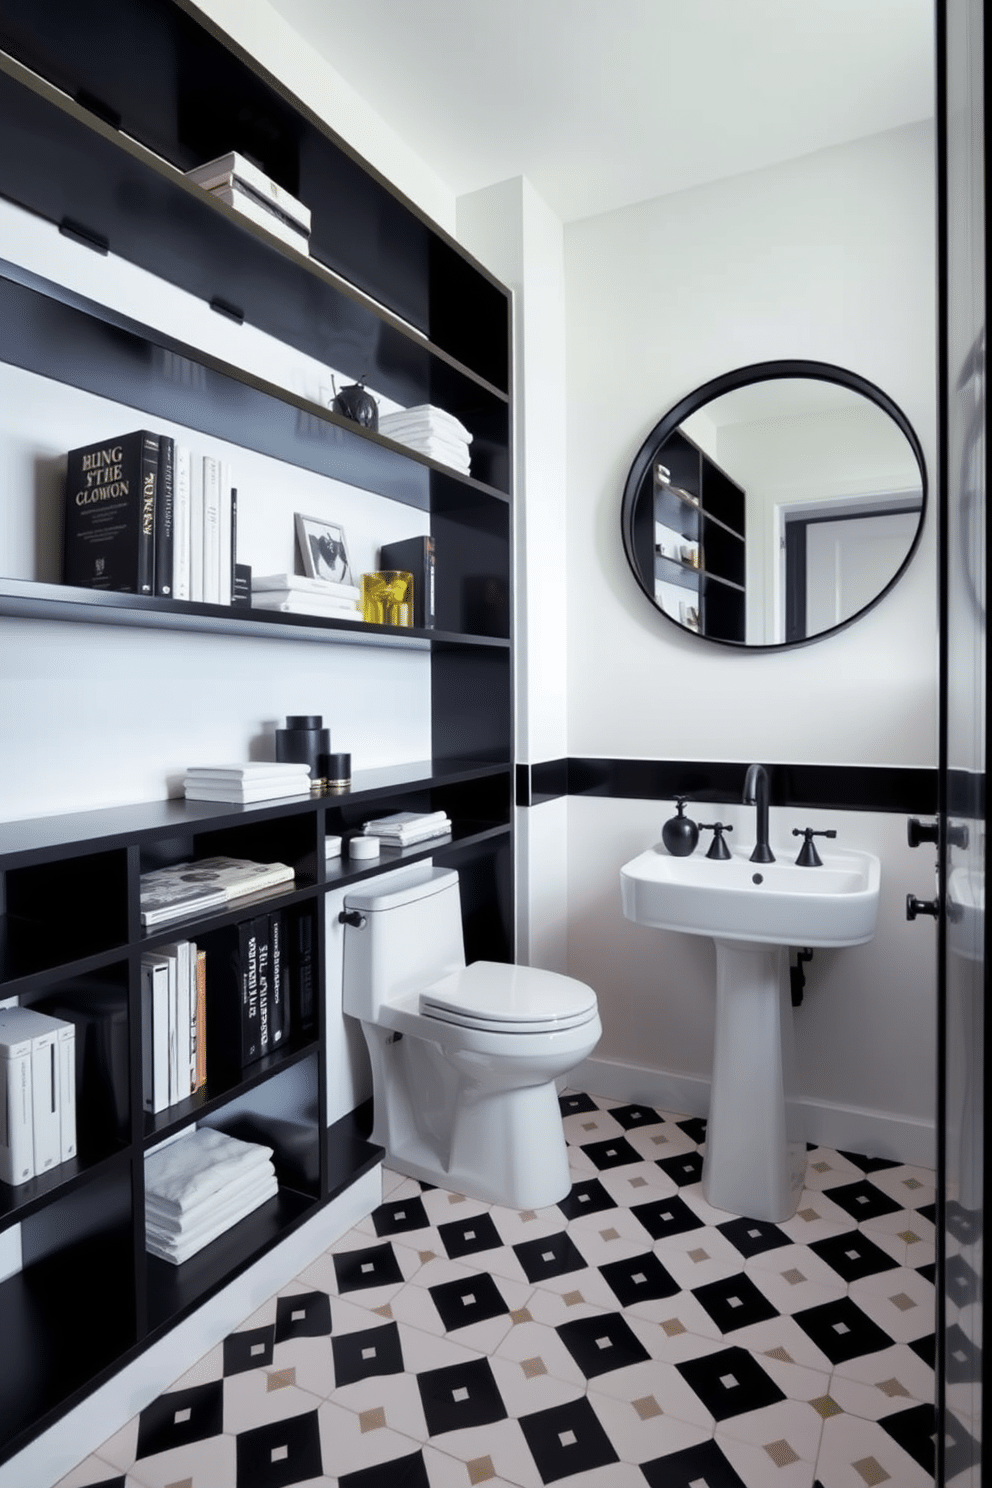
628	1335
730	1382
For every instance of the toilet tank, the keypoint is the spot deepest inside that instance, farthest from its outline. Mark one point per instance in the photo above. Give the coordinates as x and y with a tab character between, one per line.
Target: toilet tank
412	935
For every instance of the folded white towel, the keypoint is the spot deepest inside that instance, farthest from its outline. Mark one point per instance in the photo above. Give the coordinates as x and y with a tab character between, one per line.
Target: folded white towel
177	1252
171	1231
427	417
249	771
438	449
183	1173
170	1224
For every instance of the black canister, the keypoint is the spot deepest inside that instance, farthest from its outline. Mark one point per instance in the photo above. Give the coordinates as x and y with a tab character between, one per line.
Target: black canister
303	741
679	834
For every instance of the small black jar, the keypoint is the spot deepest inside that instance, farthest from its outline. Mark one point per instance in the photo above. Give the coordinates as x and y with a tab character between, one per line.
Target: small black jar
680	834
303	741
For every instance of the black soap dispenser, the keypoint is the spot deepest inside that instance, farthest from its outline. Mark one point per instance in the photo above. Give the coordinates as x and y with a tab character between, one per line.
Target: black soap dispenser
679	834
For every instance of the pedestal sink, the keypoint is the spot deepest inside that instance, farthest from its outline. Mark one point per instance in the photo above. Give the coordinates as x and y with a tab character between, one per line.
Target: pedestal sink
755	1146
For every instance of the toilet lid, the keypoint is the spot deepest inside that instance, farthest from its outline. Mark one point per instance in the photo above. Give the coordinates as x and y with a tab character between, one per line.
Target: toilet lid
509	999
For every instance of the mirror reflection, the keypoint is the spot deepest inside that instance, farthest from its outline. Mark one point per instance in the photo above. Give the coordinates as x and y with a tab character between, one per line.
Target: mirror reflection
775	505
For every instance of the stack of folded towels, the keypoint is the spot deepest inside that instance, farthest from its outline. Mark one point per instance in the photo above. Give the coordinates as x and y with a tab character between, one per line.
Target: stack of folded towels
198	1187
295	594
246	782
432	432
407	828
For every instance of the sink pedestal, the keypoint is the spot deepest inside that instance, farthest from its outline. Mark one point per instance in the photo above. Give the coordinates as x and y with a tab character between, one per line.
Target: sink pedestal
755	1158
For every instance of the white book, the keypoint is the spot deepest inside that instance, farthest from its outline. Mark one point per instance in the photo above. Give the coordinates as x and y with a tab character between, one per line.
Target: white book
16	1124
255	211
404	820
155	1032
67	1088
181	504
303	584
24	1023
233	168
179	1019
411	839
211	530
248	771
196	529
304	604
225	564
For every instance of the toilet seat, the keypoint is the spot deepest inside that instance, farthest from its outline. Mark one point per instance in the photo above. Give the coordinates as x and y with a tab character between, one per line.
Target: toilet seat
501	998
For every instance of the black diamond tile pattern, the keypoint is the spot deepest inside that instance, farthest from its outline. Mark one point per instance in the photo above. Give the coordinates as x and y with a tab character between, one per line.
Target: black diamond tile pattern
629	1332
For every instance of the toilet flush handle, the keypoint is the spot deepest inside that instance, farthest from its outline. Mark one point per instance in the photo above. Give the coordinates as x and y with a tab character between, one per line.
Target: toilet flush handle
352	917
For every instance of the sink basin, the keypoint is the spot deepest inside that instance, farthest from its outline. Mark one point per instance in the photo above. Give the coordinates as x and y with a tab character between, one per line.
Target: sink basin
768	903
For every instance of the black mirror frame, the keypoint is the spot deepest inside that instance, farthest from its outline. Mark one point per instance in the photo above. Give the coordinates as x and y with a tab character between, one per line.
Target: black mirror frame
729	382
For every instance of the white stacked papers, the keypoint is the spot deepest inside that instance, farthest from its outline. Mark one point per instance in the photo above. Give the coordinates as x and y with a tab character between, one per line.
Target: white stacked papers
295	594
242	784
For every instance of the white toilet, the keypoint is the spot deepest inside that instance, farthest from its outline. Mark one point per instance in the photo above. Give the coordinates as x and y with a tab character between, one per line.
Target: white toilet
464	1058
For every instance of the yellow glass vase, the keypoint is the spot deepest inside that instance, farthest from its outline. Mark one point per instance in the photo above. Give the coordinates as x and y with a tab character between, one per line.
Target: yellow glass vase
387	597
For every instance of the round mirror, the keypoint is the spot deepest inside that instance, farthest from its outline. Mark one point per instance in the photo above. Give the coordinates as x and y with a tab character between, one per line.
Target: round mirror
774	504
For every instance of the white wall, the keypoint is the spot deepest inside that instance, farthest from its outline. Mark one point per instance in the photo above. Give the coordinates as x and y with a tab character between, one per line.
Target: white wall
828	258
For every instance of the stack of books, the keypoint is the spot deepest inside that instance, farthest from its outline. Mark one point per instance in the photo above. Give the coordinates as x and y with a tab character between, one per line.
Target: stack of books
173	1024
206	884
234	179
199	1186
433	432
407	828
37	1093
295	594
244	783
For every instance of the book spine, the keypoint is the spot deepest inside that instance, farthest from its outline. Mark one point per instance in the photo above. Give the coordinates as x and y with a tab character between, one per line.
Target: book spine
250	1050
263	952
155	1033
149	502
303	968
416	556
165	517
67	1091
201	1019
181	497
196	529
211	530
16	1123
278	981
225	529
45	1103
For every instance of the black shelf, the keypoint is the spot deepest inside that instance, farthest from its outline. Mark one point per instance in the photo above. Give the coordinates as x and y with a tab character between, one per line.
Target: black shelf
96	142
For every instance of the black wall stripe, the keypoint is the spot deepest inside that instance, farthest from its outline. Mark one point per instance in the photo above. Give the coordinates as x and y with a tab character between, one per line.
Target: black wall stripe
901	789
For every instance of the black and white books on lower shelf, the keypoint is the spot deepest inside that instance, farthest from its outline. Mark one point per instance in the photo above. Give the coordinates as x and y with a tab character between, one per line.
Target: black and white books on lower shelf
236	180
246	783
37	1093
146	514
296	594
200	1185
248	989
432	432
408	828
203	885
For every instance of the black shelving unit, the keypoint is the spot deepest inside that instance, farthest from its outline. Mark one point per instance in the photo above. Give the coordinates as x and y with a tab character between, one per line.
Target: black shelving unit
98	147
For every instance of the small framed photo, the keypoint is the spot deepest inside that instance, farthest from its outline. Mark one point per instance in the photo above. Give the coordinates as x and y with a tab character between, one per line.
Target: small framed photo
323	549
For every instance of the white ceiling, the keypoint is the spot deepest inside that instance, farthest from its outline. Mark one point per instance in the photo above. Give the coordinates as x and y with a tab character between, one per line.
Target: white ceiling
601	103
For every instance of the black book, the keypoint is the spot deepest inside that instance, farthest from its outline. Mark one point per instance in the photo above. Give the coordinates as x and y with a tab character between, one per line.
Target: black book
260	929
232	996
109	527
165	516
414	555
304	970
278	981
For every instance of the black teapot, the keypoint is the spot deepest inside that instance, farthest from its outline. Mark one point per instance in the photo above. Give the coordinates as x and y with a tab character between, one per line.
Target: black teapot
355	402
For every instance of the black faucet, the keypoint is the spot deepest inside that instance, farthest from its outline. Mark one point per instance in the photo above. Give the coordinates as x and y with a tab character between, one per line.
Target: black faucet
756	793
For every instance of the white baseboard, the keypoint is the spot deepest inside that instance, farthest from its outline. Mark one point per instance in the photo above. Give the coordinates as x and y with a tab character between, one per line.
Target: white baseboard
904	1139
82	1430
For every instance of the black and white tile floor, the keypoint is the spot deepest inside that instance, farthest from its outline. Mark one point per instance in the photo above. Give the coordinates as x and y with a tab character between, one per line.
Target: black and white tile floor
630	1335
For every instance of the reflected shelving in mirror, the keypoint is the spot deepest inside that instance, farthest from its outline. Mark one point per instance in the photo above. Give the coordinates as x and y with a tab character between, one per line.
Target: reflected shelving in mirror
775	504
